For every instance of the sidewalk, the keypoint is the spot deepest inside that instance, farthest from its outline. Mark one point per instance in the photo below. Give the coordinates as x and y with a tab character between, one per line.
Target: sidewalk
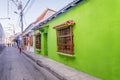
60	70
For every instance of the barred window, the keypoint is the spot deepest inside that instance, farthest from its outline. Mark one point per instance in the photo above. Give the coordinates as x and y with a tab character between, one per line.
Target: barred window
65	40
31	40
24	39
38	41
27	41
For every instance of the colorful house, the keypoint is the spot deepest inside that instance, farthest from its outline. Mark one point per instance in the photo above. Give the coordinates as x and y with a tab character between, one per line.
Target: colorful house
85	35
28	34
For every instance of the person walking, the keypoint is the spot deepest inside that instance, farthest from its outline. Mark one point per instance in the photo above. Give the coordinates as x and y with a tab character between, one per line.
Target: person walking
19	44
20	48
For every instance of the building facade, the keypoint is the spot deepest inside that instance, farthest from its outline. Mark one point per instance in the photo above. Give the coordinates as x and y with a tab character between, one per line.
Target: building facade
28	34
84	35
2	36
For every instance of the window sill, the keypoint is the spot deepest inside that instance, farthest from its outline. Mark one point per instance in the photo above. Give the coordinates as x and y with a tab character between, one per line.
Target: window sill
38	49
66	54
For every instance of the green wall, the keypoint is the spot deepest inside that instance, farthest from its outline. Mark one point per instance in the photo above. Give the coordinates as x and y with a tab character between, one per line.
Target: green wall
96	38
43	31
36	50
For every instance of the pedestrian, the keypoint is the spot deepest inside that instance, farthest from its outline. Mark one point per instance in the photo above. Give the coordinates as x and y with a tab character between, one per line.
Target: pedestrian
19	45
7	45
20	48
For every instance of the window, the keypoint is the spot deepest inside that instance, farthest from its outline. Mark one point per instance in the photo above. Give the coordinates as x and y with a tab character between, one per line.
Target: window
65	40
38	41
65	37
31	40
27	41
24	39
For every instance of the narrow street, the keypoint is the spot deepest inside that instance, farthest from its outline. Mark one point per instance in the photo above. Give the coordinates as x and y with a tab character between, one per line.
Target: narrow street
16	66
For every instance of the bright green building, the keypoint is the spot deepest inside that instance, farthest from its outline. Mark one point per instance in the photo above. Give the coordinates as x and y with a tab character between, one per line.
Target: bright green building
84	35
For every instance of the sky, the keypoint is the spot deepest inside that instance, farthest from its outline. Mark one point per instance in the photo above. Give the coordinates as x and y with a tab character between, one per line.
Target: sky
31	12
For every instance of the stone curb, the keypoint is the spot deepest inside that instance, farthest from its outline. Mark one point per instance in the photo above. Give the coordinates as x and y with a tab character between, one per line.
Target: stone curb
60	74
38	62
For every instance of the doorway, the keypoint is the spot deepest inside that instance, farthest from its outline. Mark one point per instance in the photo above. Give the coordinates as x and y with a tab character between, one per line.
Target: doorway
46	44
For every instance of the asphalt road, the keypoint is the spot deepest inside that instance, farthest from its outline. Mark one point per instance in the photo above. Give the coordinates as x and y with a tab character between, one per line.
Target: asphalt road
16	66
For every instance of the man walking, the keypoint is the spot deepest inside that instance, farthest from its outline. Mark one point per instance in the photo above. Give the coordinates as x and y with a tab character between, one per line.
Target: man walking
19	44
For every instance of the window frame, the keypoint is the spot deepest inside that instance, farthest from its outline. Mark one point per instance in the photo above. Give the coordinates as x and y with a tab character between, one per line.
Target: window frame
38	41
31	40
69	47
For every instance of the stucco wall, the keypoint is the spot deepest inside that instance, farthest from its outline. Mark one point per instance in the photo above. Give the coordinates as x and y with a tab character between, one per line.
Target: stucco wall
2	35
96	38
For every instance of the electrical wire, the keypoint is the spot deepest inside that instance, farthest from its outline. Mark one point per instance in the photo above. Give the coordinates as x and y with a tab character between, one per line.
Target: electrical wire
14	3
22	11
7	8
30	5
26	5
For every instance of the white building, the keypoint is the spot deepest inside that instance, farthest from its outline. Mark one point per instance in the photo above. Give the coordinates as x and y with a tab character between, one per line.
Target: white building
2	35
28	34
